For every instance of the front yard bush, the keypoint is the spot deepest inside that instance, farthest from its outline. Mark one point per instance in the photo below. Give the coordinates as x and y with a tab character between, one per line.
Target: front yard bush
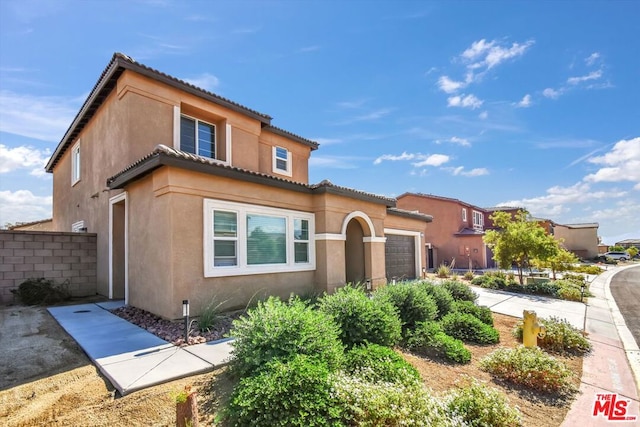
368	404
42	291
376	363
413	304
295	392
560	337
442	297
430	340
459	291
482	313
469	328
530	367
279	330
479	405
443	271
362	319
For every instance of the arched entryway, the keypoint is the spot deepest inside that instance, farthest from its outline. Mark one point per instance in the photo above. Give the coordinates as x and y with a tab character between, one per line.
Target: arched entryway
354	253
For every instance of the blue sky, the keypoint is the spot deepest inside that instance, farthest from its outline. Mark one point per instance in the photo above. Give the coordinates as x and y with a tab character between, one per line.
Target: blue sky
532	104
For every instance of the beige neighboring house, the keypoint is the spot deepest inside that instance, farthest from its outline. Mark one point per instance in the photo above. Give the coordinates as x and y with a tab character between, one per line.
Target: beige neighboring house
581	239
193	196
42	225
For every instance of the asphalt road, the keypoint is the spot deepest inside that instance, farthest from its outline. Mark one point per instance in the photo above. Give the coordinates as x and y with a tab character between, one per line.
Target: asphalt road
625	288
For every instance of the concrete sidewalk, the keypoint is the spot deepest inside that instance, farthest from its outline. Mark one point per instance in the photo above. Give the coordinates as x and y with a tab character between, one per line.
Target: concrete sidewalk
129	356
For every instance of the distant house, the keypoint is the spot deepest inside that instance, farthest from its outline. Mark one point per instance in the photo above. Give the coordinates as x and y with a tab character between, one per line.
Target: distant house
41	225
581	239
455	236
629	243
194	196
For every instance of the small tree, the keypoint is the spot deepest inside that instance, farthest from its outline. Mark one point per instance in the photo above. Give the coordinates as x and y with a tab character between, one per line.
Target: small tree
519	241
563	260
632	251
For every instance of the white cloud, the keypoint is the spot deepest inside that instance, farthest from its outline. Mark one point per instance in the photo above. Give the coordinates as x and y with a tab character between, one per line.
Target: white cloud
456	140
393	158
525	101
468	101
471	173
622	163
591	59
23	206
432	160
307	49
552	93
23	158
594	75
333	162
41	117
449	86
490	54
484	115
204	81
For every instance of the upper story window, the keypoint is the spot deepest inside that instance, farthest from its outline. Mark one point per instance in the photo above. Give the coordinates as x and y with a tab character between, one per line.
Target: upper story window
245	239
478	220
197	137
282	161
464	215
75	163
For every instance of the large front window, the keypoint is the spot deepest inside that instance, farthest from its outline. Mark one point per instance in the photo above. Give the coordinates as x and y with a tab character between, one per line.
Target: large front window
197	137
247	239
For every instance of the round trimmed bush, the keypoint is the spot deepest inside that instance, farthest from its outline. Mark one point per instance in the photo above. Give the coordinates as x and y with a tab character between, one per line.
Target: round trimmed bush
430	340
413	304
459	291
469	328
560	336
483	313
376	363
441	296
479	406
279	330
297	392
362	319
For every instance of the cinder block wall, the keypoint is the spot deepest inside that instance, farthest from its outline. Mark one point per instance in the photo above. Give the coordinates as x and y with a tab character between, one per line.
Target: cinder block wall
52	255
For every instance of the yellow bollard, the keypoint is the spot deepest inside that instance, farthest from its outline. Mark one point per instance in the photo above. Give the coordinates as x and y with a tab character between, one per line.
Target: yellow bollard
531	329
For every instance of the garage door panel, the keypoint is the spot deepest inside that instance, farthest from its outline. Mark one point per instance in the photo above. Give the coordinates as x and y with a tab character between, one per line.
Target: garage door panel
400	257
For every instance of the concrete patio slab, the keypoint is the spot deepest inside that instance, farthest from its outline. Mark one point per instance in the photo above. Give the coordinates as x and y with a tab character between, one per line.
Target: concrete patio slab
216	353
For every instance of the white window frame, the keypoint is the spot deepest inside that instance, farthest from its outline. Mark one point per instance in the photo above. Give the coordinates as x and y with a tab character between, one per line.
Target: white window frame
176	136
242	267
478	220
76	164
196	148
464	214
276	169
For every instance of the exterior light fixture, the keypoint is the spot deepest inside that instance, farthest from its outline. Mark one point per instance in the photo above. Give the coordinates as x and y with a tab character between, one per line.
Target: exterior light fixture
185	314
581	292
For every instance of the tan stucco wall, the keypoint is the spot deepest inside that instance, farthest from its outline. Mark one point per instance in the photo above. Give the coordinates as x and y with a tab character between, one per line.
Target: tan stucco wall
582	241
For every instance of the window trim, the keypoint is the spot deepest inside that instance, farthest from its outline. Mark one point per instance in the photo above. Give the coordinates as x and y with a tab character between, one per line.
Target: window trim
243	268
464	214
196	148
276	169
478	225
76	164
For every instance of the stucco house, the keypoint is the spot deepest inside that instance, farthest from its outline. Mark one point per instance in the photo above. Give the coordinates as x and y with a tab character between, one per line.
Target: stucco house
193	196
455	235
581	239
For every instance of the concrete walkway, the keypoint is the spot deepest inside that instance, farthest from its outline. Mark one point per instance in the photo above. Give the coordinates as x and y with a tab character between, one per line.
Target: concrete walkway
129	356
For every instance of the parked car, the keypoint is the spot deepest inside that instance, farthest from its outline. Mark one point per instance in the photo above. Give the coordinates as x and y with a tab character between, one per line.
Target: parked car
618	256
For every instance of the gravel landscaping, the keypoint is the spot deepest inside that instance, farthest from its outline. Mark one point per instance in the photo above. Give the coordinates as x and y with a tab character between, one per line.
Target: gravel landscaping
173	331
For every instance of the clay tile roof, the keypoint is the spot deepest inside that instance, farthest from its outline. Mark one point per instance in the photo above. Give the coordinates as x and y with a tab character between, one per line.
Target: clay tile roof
410	214
314	145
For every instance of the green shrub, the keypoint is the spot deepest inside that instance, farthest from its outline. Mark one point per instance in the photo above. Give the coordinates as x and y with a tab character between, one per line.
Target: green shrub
483	313
588	269
530	367
489	281
469	328
362	319
275	329
297	392
569	293
443	271
413	304
442	297
42	291
430	340
468	275
560	336
479	405
578	279
210	315
376	363
459	291
368	404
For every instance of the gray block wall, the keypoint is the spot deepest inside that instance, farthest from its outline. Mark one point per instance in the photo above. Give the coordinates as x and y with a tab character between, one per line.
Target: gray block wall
52	255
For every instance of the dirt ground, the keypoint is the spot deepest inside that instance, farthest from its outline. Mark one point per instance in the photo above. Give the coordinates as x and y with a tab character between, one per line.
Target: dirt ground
46	379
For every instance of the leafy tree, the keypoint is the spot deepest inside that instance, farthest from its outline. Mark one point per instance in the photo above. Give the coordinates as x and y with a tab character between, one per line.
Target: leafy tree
633	251
519	241
563	260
